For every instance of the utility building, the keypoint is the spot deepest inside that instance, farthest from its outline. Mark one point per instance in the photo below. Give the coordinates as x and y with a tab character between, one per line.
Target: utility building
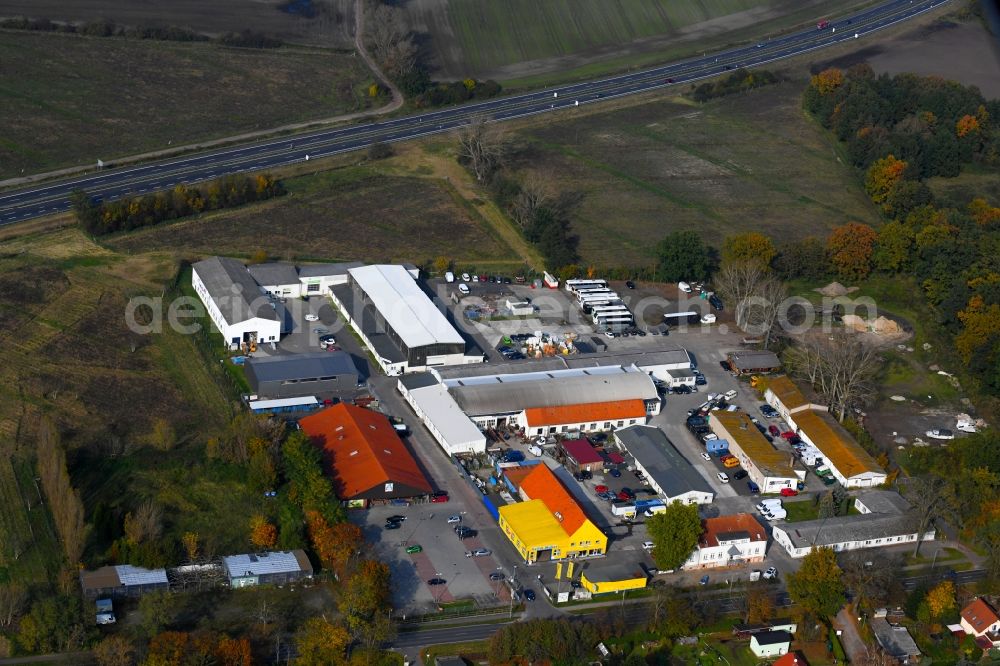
667	471
766	466
272	568
237	306
296	375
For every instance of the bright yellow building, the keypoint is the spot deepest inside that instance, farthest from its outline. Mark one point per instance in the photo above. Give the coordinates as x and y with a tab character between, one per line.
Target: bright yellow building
549	524
612	583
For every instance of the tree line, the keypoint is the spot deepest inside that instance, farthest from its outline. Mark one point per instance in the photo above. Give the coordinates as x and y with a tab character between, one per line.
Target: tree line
741	80
107	217
395	49
170	33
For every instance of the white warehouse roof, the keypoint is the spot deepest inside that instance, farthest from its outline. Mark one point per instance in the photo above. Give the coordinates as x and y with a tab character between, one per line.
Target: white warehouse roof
451	423
407	309
130	575
257	564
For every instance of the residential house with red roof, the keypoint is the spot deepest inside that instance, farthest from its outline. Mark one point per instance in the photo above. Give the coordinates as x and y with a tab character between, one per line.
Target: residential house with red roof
728	541
980	620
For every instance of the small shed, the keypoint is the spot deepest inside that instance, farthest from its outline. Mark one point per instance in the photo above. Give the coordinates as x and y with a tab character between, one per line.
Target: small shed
581	456
753	362
123	580
770	643
271	568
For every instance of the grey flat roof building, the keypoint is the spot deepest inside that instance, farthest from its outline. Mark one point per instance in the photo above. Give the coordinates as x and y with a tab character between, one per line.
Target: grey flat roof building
294	375
897	641
233	290
670	356
663	463
274	274
323	270
754	360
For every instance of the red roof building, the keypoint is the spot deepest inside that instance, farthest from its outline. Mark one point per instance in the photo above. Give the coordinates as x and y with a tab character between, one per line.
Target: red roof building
364	456
618	414
980	620
791	659
542	484
581	455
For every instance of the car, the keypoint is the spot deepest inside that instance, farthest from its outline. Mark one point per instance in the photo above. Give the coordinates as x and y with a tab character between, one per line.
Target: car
648	545
584	475
449	276
454	519
623	497
413	550
434	582
703	580
575	584
740	474
684	286
753	488
600	489
461	528
608	496
615	473
529	595
395	519
327	339
708	437
439	498
965	425
699	380
715	301
465	277
706	456
726	457
722	476
484	278
770	573
629	492
464	289
732	462
393	526
610	333
708	319
769	412
683	389
725	366
312	317
730	394
789	492
496	575
468	534
940	433
773	429
479	552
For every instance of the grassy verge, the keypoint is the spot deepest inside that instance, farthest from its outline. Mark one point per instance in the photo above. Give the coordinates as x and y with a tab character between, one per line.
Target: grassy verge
470	650
800	511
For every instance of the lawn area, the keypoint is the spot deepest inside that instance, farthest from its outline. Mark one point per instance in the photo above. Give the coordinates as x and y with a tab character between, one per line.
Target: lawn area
470	650
133	96
731	165
974	181
801	510
69	355
352	213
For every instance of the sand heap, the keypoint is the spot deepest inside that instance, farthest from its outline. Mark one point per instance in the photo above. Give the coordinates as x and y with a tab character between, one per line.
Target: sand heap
882	326
833	290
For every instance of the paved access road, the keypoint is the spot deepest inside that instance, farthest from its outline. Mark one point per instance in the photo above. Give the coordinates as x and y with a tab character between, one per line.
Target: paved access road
113	183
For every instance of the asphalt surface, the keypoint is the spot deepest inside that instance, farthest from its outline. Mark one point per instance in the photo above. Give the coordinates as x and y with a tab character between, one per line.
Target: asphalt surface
111	183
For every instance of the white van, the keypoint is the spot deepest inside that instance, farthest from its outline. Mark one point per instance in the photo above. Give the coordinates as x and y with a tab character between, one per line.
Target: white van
729	395
449	277
684	286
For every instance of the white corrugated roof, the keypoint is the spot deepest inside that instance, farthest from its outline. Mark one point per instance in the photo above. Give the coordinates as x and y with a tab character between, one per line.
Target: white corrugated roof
283	402
261	563
130	575
448	418
405	307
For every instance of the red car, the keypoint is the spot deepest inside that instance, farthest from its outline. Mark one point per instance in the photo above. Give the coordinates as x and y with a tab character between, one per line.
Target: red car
773	429
623	496
789	492
439	498
726	457
789	435
600	489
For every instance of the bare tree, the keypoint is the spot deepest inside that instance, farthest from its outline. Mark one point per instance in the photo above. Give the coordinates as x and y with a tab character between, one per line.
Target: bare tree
870	577
533	196
144	524
13	601
931	497
483	146
390	41
64	500
842	367
755	293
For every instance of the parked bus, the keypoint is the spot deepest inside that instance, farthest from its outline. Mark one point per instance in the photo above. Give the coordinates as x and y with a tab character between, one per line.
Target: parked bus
576	284
602	310
678	318
614	320
597	296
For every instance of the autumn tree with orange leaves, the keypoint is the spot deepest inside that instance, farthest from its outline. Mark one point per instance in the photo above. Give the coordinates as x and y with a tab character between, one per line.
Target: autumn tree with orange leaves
883	175
335	544
980	327
828	80
262	533
850	248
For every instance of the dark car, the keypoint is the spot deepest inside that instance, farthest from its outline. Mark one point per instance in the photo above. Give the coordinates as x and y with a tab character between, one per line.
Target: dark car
615	473
628	493
529	595
496	575
395	519
683	389
768	411
740	474
583	476
715	301
753	487
725	366
598	437
630	284
700	380
393	526
436	581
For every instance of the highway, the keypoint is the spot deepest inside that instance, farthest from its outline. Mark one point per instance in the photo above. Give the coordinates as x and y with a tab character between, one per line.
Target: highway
112	183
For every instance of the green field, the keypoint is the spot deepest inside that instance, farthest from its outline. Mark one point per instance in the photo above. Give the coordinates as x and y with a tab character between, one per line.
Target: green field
67	100
740	163
354	213
489	38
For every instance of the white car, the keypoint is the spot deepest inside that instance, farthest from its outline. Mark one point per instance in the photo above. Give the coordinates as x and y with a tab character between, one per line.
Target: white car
465	277
479	552
940	433
684	286
312	317
729	395
708	319
464	288
706	456
648	545
770	573
449	276
723	477
966	426
709	436
454	519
